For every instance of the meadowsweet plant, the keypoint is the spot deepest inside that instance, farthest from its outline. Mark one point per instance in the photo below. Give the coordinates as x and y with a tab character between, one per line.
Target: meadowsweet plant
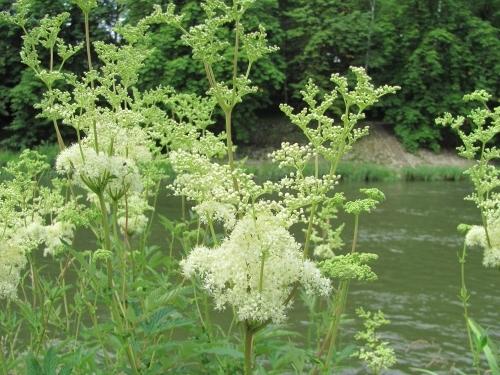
108	177
119	306
32	216
377	354
257	267
478	132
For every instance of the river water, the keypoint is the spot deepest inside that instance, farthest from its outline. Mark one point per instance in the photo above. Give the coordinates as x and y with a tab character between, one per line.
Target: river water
414	233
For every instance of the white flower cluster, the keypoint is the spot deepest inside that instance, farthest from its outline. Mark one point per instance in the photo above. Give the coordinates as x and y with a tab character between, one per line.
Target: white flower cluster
476	236
292	155
20	239
12	261
55	236
110	160
99	171
201	180
255	269
212	211
131	218
297	191
132	143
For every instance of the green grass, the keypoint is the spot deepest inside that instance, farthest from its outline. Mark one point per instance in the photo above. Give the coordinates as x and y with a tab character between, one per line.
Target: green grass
366	172
349	171
48	150
433	173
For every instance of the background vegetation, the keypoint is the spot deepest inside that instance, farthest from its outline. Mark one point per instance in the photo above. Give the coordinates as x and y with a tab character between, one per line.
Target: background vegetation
434	49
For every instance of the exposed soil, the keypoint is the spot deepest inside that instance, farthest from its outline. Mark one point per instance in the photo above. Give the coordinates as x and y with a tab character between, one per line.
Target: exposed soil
380	147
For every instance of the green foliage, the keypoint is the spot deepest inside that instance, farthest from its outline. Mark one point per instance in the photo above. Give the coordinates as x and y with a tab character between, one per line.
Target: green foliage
448	50
20	89
377	354
50	365
484	344
128	306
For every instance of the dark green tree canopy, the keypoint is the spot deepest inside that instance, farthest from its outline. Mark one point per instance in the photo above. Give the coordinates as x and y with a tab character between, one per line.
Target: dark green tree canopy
435	50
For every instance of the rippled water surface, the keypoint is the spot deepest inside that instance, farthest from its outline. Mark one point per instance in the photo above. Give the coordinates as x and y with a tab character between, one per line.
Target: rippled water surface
414	233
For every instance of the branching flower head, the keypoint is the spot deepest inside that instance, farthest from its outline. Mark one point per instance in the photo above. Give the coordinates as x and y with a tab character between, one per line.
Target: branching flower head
255	269
478	145
353	266
328	139
373	198
99	171
211	211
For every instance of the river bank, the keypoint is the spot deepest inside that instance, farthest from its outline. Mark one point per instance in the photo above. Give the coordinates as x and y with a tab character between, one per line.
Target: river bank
377	157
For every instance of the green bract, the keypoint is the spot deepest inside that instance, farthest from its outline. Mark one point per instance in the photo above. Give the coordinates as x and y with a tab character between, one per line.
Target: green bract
350	267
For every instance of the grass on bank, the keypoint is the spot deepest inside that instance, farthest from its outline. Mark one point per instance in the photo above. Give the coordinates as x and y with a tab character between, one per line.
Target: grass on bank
369	172
349	171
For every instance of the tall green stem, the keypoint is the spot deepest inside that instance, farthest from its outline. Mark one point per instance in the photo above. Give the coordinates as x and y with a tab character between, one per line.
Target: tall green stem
249	334
337	316
339	304
309	232
60	141
464	298
212	231
115	299
229	136
229	142
355	235
106	240
3	362
105	222
87	39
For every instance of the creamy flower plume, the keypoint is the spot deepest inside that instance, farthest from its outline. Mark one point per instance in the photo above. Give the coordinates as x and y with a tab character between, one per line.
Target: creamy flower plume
12	261
217	212
476	236
255	269
99	171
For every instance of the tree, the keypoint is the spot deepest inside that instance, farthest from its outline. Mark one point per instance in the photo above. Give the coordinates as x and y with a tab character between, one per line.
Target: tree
172	65
19	89
444	51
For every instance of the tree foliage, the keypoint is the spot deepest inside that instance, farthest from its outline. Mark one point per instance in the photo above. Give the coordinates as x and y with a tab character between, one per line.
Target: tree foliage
435	50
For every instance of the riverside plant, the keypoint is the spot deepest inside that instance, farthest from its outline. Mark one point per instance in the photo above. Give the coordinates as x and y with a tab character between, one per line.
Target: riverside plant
478	132
129	306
